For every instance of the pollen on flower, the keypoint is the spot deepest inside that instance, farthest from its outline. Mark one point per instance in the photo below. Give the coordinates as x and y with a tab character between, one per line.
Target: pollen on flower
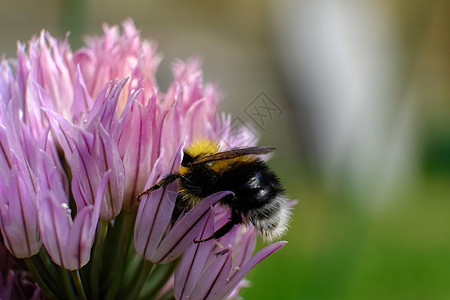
66	207
219	245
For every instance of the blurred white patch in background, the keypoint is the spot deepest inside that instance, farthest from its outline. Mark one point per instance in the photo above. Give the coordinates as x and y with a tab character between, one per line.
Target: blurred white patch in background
340	60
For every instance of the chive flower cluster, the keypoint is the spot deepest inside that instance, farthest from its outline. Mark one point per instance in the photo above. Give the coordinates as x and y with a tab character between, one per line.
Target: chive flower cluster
81	135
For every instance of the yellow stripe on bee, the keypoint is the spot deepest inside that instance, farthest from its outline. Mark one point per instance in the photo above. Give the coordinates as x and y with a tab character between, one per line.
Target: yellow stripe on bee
205	147
200	148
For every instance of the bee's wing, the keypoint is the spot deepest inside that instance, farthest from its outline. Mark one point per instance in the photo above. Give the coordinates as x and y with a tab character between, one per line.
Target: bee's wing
233	153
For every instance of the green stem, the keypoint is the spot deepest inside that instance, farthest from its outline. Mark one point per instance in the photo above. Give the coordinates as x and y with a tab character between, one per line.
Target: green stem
51	270
125	229
68	288
47	273
96	258
39	279
145	271
78	284
133	266
158	278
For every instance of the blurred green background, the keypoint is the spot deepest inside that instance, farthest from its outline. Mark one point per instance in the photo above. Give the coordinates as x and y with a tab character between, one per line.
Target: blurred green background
362	92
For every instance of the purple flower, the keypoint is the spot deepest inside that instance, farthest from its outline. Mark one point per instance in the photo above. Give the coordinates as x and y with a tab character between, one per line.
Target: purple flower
215	269
68	242
82	134
18	186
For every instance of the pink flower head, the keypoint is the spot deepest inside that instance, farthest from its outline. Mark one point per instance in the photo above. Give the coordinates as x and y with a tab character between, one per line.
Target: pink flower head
82	134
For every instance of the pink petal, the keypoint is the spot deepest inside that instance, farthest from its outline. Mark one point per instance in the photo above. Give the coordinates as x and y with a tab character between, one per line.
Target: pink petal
66	133
53	73
105	108
137	150
86	175
154	214
186	229
82	101
242	272
107	156
155	217
214	278
55	223
82	233
18	217
244	247
193	261
78	247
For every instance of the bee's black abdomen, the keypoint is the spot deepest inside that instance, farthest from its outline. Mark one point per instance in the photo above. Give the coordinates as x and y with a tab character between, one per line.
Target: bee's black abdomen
253	183
259	196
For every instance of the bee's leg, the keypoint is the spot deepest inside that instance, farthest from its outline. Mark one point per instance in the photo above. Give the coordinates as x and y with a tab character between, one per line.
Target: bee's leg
162	183
235	219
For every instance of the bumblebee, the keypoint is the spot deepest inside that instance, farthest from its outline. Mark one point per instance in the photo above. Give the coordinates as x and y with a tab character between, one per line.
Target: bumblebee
259	197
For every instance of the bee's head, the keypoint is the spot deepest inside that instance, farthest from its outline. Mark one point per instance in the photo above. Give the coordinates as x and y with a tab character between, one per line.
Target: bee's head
187	159
199	148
